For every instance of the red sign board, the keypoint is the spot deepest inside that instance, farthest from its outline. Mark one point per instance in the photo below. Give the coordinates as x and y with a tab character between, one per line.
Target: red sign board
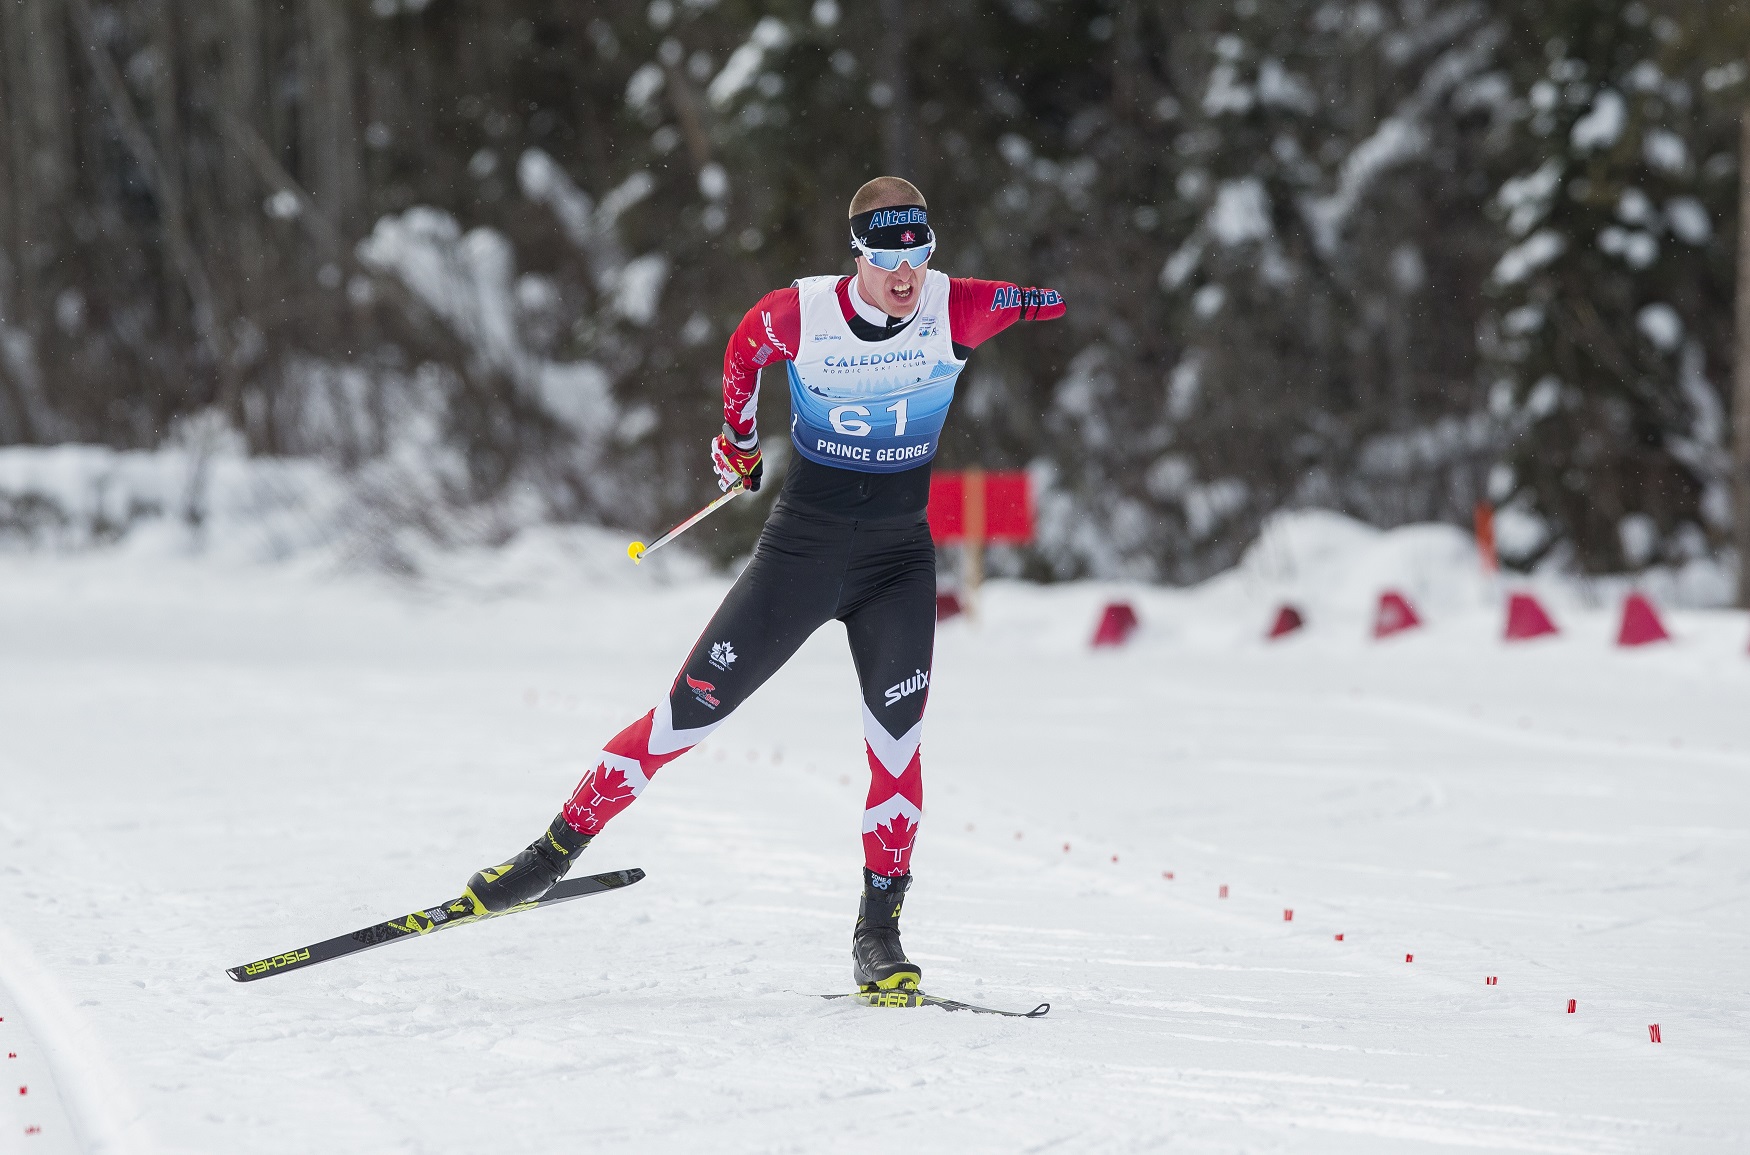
1006	508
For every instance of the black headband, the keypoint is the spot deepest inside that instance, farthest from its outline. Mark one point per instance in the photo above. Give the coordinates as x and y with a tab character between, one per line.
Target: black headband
896	227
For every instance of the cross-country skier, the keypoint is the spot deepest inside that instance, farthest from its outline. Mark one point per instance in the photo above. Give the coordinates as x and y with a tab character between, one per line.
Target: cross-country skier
872	363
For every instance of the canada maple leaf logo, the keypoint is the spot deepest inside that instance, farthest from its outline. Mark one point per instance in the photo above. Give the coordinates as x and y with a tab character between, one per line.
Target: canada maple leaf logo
606	786
896	836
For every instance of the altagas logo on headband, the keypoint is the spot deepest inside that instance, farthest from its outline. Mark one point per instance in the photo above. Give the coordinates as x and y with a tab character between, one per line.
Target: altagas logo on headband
892	218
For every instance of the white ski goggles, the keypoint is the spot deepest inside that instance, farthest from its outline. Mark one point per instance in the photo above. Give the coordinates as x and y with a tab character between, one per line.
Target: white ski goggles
888	260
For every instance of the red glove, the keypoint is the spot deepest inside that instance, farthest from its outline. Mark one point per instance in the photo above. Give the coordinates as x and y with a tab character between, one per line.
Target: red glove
736	460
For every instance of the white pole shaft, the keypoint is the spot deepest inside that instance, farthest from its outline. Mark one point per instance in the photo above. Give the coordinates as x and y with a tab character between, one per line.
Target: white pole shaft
639	551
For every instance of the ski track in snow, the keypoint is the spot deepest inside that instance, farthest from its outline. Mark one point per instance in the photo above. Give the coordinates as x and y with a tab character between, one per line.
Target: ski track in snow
36	1120
204	766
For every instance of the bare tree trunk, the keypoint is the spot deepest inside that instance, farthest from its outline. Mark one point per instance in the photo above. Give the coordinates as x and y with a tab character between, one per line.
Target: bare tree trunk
329	140
185	262
41	136
14	414
240	98
686	110
167	133
898	122
8	160
1741	390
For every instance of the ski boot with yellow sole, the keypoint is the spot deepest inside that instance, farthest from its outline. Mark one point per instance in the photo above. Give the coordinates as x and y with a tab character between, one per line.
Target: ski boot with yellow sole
532	873
885	977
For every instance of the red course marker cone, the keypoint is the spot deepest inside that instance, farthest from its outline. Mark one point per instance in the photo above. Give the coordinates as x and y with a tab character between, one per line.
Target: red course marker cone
1288	915
948	606
1288	619
1653	1032
1573	1005
1117	623
1640	623
1526	619
1394	616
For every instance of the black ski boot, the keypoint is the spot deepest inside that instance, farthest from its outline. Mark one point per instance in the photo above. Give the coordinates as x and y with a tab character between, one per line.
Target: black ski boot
529	875
878	961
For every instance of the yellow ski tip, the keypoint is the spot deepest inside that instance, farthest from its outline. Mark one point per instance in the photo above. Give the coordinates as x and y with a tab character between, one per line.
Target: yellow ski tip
635	551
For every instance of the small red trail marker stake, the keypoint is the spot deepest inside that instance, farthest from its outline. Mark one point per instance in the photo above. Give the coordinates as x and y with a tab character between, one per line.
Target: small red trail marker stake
1167	874
1066	848
1288	619
1526	619
23	1090
1394	616
1114	858
1573	1005
1339	938
1640	623
1222	893
1117	622
1409	958
1492	981
1653	1033
1288	915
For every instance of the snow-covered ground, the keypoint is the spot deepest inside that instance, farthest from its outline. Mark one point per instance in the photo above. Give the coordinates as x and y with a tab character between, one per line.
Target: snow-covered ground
205	762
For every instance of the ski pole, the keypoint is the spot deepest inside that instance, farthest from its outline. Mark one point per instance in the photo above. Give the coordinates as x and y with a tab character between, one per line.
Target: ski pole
638	549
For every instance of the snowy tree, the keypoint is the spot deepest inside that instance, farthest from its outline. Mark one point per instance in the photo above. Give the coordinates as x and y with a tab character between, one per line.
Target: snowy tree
1609	314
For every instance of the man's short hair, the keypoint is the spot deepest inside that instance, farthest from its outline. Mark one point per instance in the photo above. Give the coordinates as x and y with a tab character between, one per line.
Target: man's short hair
885	192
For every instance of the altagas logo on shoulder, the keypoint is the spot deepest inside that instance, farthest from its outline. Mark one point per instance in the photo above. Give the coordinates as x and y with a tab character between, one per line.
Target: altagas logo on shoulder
723	655
902	690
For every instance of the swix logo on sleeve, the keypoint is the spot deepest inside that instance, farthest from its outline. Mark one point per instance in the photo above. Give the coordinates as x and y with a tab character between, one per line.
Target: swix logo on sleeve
902	690
773	337
702	691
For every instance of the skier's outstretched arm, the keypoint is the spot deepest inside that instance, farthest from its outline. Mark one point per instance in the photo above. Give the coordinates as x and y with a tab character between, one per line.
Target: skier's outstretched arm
979	310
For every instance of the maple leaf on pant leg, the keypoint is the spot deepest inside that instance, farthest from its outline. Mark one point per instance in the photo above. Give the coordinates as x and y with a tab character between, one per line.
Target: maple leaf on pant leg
607	787
896	836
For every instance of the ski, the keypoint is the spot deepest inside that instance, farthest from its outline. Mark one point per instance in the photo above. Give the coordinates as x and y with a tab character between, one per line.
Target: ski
456	912
919	999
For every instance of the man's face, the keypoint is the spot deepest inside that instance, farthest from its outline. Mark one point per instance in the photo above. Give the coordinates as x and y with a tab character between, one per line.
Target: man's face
895	293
